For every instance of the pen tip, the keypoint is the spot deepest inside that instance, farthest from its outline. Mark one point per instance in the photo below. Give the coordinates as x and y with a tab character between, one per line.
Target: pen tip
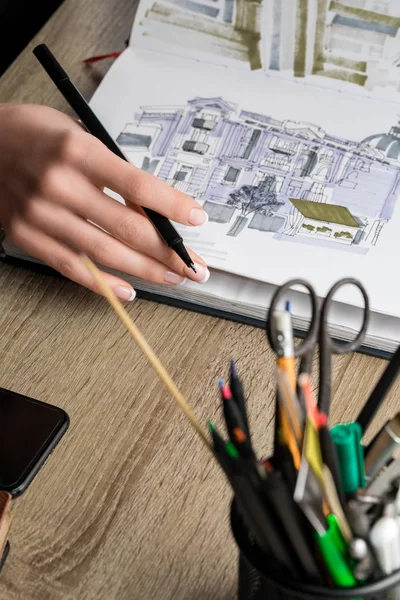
287	306
192	267
220	383
211	426
234	372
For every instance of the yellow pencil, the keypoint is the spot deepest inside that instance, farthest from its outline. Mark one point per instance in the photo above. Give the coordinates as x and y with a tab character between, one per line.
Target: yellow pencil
144	346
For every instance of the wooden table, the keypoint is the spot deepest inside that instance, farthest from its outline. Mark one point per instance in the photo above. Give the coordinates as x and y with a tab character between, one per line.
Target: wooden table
130	505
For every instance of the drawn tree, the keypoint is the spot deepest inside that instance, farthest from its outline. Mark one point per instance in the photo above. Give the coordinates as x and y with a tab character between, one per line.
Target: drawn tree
253	199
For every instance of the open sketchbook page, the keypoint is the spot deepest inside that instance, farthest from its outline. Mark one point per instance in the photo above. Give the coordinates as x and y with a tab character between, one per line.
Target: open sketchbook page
348	45
296	181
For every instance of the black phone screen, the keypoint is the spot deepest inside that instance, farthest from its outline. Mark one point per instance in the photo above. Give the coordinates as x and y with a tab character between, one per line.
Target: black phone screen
29	430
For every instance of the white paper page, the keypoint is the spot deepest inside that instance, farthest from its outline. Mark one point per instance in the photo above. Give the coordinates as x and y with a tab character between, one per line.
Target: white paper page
162	87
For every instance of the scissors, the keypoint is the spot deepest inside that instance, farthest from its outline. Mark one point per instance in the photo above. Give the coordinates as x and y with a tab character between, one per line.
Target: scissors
318	332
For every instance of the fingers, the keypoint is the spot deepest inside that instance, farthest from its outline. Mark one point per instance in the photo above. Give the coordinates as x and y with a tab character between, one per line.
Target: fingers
129	226
99	245
66	262
106	169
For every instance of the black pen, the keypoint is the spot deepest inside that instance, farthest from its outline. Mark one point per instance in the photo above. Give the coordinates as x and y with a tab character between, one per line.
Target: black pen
242	443
283	461
267	533
292	520
330	459
238	395
77	102
232	414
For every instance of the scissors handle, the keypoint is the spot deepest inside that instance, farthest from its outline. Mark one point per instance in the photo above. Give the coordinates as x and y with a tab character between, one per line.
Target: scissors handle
306	347
329	346
354	344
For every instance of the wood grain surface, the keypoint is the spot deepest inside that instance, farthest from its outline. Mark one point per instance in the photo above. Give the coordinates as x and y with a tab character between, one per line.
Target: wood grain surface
130	505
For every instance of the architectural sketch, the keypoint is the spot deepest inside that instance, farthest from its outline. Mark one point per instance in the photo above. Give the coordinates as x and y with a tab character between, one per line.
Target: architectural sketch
353	41
225	28
356	41
288	179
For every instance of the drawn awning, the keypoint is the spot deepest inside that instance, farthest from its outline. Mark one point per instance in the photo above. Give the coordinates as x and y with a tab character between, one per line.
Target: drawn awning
322	211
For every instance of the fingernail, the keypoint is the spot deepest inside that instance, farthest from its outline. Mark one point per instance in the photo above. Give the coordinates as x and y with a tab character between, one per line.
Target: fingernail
198	216
125	293
173	278
202	273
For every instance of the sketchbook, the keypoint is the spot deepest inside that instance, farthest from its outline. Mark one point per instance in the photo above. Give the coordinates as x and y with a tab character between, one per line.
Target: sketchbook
281	118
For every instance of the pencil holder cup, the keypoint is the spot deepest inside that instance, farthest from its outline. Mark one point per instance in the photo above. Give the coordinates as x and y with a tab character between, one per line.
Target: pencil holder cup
258	580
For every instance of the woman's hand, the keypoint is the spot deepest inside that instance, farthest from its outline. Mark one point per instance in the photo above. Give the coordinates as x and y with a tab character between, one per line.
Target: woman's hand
52	205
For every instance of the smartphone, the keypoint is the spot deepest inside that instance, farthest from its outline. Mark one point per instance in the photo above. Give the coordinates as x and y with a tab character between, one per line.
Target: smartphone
29	432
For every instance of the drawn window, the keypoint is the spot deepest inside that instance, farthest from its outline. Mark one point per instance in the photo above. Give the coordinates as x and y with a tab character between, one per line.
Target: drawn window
249	142
202	123
182	173
326	155
305	164
222	10
322	173
269	183
199	135
277	161
202	8
135	141
232	175
244	142
208	116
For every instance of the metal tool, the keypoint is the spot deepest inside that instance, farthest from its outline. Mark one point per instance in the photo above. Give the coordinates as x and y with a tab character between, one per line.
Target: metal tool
318	332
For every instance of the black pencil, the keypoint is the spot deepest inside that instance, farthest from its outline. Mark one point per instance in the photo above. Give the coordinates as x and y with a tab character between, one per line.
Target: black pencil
77	102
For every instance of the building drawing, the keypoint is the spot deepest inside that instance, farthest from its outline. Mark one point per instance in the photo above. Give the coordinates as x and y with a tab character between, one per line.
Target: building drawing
356	41
227	28
353	41
288	179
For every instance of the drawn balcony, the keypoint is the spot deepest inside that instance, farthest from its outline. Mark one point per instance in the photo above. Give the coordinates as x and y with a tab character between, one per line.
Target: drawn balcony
205	124
283	146
195	147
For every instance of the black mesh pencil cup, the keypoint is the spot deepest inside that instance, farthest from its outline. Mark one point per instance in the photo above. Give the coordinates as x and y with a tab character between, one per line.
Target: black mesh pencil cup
259	579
